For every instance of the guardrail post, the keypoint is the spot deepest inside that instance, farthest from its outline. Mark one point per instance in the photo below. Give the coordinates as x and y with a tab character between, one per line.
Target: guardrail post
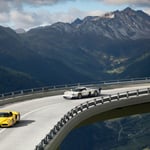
56	127
32	90
71	114
87	104
44	141
95	102
75	110
12	93
81	107
148	90
3	96
63	121
137	93
127	94
118	96
54	131
49	136
66	117
21	92
39	147
132	80
102	100
109	98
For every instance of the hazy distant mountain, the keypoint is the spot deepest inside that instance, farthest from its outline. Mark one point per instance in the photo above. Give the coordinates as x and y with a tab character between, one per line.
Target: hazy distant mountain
95	48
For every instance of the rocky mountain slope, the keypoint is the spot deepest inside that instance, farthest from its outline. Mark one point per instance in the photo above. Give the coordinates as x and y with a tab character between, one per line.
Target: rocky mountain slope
95	48
116	38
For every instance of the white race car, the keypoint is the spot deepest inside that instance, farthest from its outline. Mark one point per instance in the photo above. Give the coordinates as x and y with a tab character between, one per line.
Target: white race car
80	92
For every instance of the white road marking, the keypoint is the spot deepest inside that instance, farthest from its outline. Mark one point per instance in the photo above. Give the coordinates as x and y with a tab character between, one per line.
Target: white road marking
2	130
26	114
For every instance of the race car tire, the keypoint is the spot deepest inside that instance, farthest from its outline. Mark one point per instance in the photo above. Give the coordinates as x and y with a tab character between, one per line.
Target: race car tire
95	93
79	96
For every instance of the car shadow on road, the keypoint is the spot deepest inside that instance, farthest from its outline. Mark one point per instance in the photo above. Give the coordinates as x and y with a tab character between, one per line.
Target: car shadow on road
23	123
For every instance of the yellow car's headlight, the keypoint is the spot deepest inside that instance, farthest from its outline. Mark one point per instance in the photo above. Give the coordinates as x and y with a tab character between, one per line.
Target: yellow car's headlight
9	121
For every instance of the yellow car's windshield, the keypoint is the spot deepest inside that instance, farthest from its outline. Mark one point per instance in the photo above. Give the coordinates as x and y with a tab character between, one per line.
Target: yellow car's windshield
5	114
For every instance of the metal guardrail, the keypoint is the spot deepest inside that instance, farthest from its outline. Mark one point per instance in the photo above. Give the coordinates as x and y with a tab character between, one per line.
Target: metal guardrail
64	87
85	106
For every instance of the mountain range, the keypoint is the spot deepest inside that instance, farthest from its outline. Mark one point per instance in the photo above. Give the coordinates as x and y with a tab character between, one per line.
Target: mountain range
115	45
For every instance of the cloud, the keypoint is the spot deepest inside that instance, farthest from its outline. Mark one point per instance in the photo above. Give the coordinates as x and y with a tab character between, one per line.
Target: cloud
22	13
29	20
7	5
142	3
4	7
45	2
14	14
4	18
147	10
21	19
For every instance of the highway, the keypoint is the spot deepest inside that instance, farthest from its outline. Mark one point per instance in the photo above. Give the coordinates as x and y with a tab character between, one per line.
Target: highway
38	116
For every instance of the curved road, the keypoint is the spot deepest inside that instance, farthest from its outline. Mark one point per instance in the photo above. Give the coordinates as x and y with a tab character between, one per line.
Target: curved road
38	116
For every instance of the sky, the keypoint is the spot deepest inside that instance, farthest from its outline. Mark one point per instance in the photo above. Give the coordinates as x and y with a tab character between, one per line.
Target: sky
28	14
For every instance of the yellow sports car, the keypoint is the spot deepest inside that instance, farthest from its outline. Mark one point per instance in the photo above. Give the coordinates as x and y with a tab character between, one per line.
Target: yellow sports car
8	118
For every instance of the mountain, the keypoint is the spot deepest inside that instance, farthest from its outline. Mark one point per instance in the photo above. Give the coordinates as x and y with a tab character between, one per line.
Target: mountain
126	24
115	45
94	48
20	30
10	78
21	67
139	67
103	43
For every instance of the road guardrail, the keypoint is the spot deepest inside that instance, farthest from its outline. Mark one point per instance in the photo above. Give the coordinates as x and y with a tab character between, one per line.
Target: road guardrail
27	94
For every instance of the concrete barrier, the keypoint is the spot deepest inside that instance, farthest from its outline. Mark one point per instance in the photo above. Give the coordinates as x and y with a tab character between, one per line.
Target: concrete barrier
28	94
91	108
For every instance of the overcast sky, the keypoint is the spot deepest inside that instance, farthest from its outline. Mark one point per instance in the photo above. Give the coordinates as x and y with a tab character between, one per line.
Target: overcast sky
32	13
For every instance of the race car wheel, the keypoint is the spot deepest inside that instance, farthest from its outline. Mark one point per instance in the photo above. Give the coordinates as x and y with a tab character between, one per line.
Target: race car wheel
13	121
79	96
89	94
95	93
